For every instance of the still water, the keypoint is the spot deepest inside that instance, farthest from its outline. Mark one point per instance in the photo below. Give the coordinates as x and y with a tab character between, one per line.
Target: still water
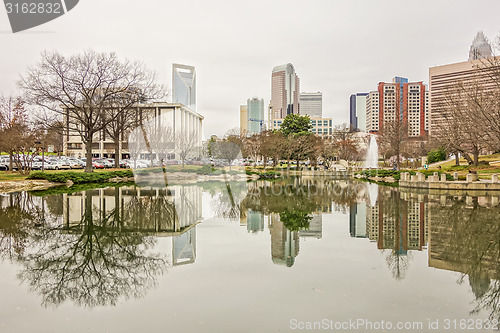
291	255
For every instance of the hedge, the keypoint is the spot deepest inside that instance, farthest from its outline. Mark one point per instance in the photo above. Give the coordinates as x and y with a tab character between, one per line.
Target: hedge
80	177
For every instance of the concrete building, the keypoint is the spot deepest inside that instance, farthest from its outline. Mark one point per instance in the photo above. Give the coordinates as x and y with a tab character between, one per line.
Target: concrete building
311	104
159	118
243	118
184	85
480	47
320	126
357	112
255	115
285	88
443	79
403	99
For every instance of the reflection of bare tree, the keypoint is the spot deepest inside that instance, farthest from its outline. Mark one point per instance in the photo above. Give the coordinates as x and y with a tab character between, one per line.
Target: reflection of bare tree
227	200
395	210
92	263
19	214
466	238
398	264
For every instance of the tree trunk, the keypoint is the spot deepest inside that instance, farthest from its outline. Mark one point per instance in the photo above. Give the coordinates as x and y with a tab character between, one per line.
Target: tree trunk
10	162
476	156
457	159
117	152
88	156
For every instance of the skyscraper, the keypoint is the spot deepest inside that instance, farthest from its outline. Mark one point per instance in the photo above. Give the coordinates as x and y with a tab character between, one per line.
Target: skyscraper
255	115
480	47
311	104
285	88
357	114
184	85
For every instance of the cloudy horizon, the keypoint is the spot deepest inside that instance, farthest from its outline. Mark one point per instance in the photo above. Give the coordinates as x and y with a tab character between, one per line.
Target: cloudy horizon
337	47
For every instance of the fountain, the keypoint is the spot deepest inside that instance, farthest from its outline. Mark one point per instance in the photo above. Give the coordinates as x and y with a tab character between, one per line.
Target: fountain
371	161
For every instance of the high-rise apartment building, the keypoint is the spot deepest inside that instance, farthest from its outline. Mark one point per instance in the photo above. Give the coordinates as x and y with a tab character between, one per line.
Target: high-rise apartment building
480	47
255	115
402	100
184	85
311	104
285	88
357	112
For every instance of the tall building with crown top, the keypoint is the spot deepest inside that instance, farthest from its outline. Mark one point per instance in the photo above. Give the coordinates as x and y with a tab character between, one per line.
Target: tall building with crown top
480	47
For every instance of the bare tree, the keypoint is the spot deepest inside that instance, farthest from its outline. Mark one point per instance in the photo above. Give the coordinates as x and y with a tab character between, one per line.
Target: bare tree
84	88
464	129
117	128
185	143
344	144
17	134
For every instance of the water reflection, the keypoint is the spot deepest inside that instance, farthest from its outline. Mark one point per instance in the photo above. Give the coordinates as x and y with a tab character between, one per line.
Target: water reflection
98	246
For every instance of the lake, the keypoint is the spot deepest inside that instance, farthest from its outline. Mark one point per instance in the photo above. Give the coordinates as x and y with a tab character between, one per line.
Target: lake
296	254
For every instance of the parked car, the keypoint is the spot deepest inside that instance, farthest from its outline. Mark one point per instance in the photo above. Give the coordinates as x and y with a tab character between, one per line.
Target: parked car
60	164
97	165
136	164
76	164
104	162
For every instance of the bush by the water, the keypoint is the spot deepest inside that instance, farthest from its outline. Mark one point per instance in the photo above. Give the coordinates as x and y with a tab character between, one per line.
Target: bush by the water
80	177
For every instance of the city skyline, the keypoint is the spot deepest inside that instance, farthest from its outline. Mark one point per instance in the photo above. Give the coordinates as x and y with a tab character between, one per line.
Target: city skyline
331	51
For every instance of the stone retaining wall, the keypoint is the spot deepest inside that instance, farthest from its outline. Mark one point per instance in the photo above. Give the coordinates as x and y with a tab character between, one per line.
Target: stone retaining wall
472	183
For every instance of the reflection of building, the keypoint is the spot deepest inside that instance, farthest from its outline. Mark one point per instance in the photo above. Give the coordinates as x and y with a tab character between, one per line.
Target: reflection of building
184	248
284	243
172	212
255	221
184	85
315	227
358	220
401	229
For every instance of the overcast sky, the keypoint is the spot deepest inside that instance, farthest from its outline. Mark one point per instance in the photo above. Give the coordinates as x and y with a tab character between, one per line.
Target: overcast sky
336	47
